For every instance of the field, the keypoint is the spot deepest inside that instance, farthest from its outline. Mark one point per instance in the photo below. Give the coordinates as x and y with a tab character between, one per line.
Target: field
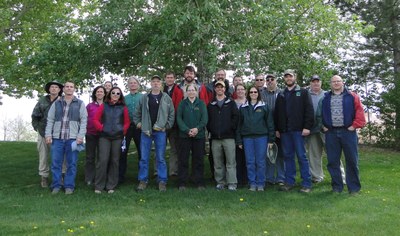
27	209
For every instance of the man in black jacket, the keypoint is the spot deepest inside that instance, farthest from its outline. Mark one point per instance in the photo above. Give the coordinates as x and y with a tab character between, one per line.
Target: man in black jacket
222	121
294	117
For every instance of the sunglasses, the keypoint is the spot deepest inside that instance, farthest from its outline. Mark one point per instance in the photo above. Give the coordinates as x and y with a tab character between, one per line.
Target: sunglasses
253	92
270	79
259	79
115	93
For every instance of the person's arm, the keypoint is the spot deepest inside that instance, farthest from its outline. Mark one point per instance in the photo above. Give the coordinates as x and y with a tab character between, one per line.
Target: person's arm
82	123
50	123
127	121
97	118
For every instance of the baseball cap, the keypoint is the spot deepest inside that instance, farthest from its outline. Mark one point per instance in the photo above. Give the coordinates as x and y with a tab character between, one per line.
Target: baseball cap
289	72
219	83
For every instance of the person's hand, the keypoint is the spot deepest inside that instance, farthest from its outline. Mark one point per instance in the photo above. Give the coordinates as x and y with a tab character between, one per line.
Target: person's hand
49	140
139	125
351	128
324	128
240	146
79	140
270	145
277	134
305	132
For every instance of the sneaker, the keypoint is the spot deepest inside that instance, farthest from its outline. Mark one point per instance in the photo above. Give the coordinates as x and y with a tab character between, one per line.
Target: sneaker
182	188
220	187
44	182
252	188
260	189
162	186
111	191
305	190
232	187
317	181
142	186
280	183
286	188
97	191
55	191
69	191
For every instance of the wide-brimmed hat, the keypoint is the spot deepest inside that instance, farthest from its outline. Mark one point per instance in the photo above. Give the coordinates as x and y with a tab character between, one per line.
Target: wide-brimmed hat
47	86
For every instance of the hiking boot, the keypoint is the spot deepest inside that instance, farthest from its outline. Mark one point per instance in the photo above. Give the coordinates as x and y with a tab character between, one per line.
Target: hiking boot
162	186
69	191
232	187
286	188
220	187
55	191
305	190
44	182
142	186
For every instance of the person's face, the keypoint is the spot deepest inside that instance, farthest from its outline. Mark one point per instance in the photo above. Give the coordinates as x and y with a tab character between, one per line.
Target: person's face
336	83
169	80
108	86
315	85
260	81
271	83
237	80
100	93
115	95
290	80
191	92
220	75
253	93
133	85
240	91
69	88
189	76
54	90
155	85
219	90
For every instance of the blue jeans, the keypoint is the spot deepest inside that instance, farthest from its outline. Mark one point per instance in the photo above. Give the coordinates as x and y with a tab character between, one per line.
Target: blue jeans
293	143
255	150
59	148
160	142
336	141
275	173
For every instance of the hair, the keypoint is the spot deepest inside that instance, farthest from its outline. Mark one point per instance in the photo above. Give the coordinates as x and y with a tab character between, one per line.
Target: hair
121	99
240	85
189	68
220	69
95	91
107	83
248	93
135	79
192	85
170	73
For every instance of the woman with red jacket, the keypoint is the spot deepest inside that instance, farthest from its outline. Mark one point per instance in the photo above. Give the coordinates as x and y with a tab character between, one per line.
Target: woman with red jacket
112	122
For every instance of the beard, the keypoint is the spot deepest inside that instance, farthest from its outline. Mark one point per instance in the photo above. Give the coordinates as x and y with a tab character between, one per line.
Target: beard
289	83
189	79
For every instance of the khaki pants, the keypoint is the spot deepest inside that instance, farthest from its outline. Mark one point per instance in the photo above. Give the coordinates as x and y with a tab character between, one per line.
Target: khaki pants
224	174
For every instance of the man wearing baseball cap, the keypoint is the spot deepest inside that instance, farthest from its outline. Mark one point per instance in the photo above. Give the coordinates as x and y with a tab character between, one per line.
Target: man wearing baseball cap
154	115
39	121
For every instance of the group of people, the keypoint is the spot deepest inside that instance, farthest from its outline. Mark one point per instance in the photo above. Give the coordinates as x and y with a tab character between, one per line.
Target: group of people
241	123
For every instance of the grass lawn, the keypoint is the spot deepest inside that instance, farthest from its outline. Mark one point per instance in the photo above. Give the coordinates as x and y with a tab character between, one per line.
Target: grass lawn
27	209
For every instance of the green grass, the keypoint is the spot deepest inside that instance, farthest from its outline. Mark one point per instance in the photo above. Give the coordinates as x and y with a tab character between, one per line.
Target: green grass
27	209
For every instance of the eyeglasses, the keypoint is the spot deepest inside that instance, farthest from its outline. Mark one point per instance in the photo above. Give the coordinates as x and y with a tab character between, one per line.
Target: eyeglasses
191	90
253	92
115	93
270	79
240	89
259	79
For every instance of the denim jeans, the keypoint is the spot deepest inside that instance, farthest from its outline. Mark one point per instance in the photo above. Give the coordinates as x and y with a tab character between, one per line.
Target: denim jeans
255	150
275	173
293	143
59	148
160	142
336	141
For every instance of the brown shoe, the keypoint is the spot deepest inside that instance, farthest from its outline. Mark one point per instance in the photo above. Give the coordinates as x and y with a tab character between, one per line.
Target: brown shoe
44	182
142	186
162	186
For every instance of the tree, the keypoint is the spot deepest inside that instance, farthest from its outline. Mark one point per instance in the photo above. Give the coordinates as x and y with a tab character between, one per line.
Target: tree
379	61
17	129
151	37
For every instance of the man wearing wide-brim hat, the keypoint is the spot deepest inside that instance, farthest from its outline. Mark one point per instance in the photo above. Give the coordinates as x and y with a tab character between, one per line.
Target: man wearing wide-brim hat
39	121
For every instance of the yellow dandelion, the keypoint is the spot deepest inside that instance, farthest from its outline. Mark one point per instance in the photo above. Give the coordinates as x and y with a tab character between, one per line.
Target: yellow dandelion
384	200
265	232
62	222
82	227
182	219
92	222
308	226
34	227
241	199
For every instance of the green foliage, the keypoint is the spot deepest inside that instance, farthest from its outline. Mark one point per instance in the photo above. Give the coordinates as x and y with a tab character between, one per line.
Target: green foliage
27	209
145	37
